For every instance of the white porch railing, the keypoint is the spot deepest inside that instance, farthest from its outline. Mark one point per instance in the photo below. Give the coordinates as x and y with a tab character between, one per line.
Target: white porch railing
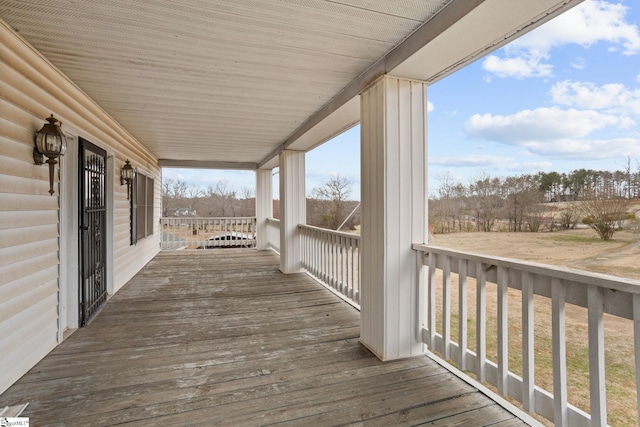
598	293
207	233
333	258
273	233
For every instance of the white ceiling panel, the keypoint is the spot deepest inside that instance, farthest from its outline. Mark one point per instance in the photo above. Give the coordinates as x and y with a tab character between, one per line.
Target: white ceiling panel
229	80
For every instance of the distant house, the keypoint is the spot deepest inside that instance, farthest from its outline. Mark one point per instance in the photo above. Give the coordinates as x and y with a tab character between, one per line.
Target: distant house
185	212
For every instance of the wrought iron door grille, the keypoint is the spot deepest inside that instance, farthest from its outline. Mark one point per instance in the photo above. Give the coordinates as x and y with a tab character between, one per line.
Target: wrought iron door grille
93	210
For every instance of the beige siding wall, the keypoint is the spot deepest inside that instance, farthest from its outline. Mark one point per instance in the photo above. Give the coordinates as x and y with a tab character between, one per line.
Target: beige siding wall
30	259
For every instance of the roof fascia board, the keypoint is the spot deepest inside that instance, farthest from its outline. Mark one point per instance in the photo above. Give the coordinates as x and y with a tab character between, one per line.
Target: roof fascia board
525	16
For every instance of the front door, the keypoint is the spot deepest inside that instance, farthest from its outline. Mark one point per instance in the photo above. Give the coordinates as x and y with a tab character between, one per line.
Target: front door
92	222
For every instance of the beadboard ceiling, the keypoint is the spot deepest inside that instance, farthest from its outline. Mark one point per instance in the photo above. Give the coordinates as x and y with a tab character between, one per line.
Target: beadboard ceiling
232	82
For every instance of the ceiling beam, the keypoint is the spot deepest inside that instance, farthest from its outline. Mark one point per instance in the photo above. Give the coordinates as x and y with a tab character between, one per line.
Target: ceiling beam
204	164
453	12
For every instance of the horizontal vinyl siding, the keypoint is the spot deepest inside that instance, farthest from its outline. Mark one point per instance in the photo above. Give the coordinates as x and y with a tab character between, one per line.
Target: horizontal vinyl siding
127	266
128	259
33	339
15	254
20	270
9	220
31	89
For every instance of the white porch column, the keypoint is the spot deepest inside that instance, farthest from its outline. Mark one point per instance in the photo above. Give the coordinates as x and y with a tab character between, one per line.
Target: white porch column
264	206
293	209
394	213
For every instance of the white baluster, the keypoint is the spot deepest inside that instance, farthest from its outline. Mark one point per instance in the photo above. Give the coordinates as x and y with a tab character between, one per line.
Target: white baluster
558	294
446	307
431	299
503	330
528	362
481	323
462	313
597	386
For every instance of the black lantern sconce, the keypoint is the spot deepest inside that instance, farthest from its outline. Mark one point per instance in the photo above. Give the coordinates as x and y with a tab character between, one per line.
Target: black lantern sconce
52	143
127	173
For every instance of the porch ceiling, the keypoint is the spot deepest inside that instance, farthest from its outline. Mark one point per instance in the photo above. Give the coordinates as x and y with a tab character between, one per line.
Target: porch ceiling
230	83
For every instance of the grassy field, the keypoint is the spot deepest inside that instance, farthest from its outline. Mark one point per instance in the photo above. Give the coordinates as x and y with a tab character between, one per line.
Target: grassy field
579	249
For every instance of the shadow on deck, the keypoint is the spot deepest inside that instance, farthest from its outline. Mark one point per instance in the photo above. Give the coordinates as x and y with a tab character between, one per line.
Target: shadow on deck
223	338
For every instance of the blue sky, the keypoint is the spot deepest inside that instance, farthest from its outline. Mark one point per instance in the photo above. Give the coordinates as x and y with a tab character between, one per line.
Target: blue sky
562	97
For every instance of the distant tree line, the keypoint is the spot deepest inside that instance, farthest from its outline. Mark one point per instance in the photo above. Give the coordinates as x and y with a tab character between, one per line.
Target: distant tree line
329	205
522	203
558	187
217	200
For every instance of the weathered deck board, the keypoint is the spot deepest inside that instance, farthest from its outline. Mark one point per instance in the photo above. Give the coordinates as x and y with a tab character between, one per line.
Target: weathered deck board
221	337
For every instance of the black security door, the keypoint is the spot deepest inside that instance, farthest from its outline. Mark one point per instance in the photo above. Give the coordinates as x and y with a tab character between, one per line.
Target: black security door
93	216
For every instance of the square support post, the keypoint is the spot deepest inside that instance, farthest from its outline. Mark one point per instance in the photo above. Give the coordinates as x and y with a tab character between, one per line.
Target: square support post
394	214
264	206
293	209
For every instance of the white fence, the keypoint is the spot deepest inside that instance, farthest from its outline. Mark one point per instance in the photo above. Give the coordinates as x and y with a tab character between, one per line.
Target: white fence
559	287
333	258
273	233
207	233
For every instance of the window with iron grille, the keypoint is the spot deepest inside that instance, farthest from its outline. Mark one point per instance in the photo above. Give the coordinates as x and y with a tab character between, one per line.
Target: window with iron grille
141	207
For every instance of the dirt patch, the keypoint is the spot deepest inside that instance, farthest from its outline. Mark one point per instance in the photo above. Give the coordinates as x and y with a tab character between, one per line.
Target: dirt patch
580	249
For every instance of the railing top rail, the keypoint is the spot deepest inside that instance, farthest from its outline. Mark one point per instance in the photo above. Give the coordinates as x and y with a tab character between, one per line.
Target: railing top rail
332	232
189	218
273	219
590	278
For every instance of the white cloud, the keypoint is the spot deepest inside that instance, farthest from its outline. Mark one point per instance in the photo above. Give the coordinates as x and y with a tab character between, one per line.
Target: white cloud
502	163
554	132
610	98
591	22
430	107
520	67
541	124
579	63
586	149
471	160
586	24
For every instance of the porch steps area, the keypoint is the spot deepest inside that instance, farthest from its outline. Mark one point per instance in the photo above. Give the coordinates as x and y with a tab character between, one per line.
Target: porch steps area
221	337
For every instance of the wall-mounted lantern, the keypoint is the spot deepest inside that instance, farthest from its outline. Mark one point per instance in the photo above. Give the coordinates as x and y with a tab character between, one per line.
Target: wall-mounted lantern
52	143
127	173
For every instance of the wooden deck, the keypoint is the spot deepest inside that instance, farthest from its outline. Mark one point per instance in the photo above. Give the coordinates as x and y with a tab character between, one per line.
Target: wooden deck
221	337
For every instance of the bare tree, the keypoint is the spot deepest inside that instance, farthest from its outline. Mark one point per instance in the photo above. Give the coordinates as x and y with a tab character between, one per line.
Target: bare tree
523	197
194	192
174	193
569	217
486	201
336	191
177	194
221	199
629	181
246	202
604	215
448	207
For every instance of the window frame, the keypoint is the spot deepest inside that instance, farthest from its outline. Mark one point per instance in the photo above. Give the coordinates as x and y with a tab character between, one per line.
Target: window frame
141	207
